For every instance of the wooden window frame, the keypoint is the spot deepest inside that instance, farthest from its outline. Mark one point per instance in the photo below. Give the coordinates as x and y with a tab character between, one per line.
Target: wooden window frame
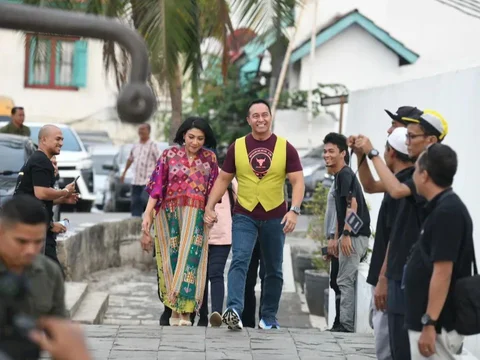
53	60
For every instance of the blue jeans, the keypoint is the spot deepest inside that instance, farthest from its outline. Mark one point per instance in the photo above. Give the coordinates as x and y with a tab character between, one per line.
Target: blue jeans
245	232
139	200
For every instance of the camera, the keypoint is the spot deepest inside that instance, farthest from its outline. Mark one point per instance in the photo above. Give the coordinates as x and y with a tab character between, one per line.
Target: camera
15	325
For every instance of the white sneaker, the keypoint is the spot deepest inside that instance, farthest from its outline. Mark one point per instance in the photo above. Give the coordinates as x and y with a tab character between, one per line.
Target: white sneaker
231	318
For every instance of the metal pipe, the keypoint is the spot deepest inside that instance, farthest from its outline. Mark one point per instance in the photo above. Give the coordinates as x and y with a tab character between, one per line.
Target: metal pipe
136	101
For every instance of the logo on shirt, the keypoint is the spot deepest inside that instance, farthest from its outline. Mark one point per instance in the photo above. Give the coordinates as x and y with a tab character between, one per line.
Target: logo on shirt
260	161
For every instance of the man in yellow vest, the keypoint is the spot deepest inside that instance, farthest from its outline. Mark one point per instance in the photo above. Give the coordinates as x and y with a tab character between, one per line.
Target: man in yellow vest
260	161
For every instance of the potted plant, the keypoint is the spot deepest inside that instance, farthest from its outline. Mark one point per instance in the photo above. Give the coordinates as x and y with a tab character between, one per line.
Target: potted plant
317	280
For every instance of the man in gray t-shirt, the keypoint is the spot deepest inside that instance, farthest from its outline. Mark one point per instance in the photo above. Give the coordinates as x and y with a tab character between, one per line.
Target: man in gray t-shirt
330	227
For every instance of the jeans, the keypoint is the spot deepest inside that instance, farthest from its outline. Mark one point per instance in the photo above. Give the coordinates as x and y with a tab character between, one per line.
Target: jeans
250	300
347	279
217	258
139	200
245	232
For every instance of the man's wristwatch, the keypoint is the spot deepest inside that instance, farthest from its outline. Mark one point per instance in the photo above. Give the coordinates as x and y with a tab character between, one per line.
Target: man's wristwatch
427	320
295	209
346	233
373	153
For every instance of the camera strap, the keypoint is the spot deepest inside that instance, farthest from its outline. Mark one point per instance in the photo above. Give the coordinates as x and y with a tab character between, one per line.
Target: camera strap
350	192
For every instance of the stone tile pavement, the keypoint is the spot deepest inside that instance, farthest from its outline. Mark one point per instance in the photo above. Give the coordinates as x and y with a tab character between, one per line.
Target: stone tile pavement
110	342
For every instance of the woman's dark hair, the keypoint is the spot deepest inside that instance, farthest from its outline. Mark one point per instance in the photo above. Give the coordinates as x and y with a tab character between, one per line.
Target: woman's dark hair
201	124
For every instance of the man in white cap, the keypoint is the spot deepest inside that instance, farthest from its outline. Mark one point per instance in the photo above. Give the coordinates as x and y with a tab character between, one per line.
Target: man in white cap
397	160
423	129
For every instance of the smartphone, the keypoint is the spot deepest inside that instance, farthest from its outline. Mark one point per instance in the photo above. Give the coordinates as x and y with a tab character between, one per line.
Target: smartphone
76	179
325	251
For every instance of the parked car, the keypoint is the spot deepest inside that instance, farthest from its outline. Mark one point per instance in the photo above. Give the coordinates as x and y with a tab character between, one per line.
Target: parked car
314	173
94	138
101	155
74	160
15	152
118	195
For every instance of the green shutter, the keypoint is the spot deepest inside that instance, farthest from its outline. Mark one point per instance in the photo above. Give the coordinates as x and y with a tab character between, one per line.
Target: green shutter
37	55
58	58
31	62
80	62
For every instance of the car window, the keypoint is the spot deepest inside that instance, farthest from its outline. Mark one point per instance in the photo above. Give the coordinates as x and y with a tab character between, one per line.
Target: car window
99	161
13	155
70	142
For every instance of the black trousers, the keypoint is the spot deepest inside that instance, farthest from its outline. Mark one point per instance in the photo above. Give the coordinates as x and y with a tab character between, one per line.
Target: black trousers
398	334
250	300
51	249
333	284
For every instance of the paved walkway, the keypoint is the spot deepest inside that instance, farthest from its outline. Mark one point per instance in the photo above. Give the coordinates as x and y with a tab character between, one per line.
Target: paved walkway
108	342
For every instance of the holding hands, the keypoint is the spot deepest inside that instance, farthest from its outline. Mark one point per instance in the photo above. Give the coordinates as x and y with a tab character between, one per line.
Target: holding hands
210	217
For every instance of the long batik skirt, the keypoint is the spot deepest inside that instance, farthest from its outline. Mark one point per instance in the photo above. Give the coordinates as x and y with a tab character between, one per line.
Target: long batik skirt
181	253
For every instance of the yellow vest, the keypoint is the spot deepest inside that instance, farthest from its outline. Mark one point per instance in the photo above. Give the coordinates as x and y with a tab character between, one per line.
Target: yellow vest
268	191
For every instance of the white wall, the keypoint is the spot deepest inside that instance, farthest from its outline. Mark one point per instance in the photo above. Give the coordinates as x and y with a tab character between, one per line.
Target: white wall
53	105
455	96
293	125
353	58
439	37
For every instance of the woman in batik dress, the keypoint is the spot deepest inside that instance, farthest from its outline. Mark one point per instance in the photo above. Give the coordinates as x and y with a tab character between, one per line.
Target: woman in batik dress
178	188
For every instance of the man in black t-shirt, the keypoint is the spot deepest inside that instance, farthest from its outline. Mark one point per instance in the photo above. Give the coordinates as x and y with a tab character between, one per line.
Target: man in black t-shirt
443	254
37	178
351	246
424	128
397	160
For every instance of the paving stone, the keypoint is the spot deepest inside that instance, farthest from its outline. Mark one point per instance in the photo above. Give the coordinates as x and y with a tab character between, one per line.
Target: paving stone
127	355
184	343
136	344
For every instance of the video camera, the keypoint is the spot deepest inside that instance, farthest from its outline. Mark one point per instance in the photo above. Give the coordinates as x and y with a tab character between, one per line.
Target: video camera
14	324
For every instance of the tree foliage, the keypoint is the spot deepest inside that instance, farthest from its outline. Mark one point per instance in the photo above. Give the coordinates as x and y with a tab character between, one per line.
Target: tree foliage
225	104
318	208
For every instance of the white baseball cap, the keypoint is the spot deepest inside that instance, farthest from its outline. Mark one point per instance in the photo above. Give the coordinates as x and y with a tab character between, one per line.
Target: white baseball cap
398	140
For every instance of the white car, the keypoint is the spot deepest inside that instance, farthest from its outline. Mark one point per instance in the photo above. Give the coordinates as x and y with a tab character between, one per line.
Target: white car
74	161
101	155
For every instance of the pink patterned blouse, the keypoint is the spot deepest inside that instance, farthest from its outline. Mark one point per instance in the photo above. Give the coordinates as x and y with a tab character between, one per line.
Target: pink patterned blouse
175	182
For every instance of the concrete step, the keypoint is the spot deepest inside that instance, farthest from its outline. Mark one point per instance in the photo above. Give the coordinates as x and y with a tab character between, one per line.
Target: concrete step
74	294
92	309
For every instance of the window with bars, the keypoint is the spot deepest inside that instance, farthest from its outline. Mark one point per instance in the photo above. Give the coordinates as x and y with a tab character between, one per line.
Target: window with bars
55	62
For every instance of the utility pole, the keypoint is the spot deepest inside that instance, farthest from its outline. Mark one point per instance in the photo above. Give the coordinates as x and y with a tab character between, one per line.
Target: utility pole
286	60
310	78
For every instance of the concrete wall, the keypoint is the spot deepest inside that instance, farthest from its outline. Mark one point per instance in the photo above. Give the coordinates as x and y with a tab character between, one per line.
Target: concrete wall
103	246
455	96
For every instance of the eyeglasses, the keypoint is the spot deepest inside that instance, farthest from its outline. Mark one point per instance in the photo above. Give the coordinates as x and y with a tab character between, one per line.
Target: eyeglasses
411	137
